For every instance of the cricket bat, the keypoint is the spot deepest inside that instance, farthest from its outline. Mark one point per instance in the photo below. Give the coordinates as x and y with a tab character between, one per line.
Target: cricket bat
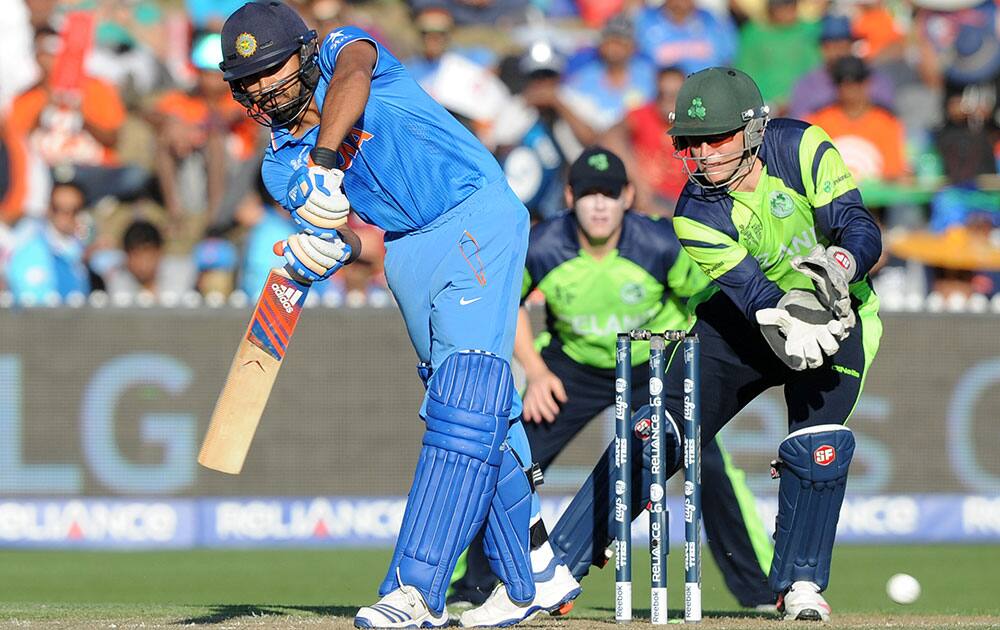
252	374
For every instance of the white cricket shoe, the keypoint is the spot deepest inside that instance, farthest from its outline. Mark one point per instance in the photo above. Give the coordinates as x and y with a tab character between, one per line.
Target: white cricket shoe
803	602
402	608
555	586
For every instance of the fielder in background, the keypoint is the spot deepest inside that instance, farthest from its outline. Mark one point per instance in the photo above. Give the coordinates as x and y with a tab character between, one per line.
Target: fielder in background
348	122
773	217
603	269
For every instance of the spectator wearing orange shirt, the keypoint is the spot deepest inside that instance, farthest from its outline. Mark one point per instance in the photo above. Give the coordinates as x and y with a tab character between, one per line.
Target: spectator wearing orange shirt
881	39
13	174
203	138
648	152
77	130
870	139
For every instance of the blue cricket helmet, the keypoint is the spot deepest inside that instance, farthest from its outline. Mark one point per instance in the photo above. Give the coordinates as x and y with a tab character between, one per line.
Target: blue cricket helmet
260	36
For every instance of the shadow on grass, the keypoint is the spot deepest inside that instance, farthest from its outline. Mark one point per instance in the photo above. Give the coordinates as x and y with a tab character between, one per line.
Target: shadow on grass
226	612
678	613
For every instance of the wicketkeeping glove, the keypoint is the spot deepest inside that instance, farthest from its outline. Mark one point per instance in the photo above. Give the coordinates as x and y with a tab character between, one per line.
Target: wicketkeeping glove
800	330
311	258
831	270
319	206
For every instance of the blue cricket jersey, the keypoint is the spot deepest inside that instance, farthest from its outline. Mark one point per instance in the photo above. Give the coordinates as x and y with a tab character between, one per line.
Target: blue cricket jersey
406	162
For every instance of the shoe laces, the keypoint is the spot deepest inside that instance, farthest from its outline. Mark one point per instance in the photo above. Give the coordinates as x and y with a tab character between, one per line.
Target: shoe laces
408	591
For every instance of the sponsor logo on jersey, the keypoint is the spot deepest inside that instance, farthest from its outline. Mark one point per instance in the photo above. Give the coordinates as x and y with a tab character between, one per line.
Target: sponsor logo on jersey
828	185
351	146
751	233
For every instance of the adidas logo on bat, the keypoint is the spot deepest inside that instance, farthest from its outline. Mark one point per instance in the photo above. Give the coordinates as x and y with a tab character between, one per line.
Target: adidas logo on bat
288	296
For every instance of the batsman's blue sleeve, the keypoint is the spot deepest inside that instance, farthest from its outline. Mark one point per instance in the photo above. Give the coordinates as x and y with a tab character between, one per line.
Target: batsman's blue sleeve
337	40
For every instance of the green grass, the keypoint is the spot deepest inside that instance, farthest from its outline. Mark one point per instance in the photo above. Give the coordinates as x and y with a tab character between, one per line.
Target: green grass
213	586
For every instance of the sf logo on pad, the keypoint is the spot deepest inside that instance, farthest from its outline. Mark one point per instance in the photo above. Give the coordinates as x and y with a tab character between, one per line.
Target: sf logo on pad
824	455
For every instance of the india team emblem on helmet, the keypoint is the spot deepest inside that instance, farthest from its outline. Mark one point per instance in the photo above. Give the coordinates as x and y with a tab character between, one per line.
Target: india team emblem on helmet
246	45
781	204
697	109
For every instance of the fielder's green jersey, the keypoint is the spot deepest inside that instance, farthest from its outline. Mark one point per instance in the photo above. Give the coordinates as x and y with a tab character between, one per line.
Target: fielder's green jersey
643	283
745	241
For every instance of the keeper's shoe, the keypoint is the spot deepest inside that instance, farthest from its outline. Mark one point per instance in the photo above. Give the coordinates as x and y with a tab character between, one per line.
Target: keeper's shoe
555	588
402	608
803	602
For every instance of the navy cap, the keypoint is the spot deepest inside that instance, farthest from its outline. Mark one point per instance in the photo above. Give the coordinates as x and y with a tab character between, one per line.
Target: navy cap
849	69
261	35
835	27
597	169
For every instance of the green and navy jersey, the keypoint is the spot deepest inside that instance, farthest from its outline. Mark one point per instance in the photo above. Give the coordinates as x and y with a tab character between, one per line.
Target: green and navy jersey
643	283
745	241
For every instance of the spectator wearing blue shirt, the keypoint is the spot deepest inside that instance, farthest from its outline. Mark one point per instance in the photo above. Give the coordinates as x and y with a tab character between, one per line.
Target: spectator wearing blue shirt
680	34
616	79
48	258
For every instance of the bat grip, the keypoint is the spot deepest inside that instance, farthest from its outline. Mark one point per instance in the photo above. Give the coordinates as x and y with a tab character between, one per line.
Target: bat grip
288	272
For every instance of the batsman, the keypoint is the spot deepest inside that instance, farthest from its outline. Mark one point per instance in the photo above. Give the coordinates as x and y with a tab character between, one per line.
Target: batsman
773	217
351	129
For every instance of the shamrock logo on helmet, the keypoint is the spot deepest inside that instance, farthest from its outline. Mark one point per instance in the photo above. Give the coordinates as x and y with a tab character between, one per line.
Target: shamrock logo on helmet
697	109
246	45
599	161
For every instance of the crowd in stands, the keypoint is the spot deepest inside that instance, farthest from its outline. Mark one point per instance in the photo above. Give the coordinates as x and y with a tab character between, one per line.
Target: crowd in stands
127	168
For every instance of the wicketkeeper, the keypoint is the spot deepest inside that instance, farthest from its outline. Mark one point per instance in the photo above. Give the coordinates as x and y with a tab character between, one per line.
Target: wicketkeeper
772	215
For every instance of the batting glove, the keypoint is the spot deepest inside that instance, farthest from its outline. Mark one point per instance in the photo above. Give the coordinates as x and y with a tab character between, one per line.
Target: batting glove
800	330
311	258
319	206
